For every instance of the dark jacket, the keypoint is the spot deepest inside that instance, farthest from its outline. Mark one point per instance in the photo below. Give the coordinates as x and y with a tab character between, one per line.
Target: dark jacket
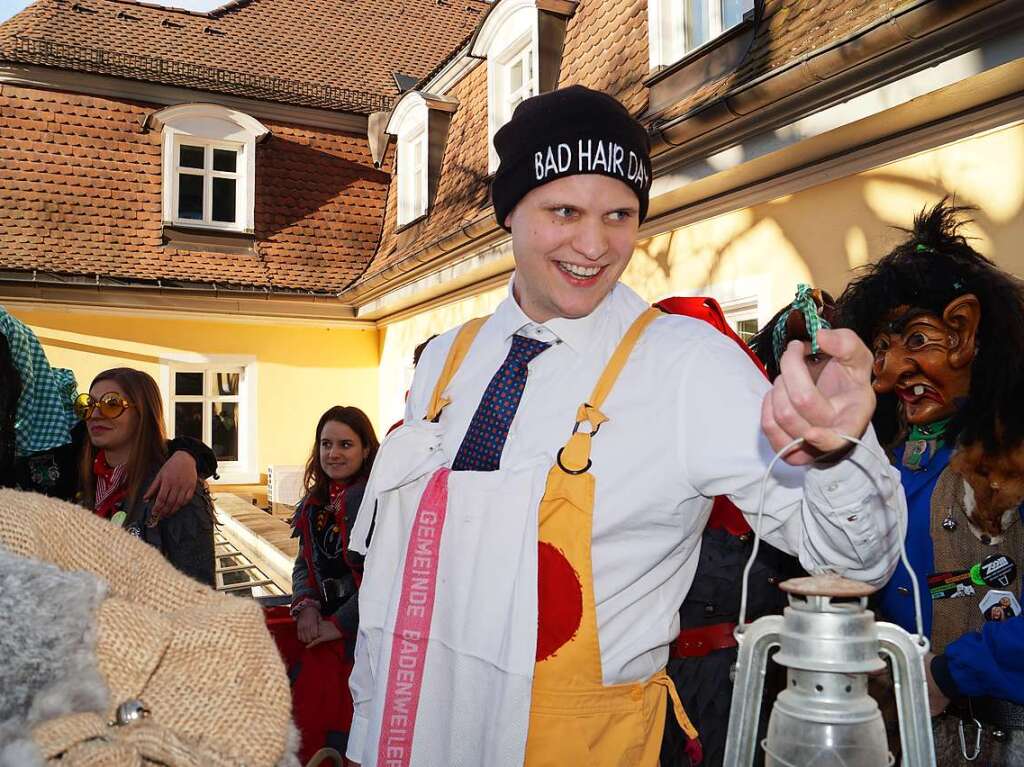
185	538
342	567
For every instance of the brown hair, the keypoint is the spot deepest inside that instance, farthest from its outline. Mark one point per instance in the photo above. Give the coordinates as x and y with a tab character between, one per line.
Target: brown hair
149	449
316	481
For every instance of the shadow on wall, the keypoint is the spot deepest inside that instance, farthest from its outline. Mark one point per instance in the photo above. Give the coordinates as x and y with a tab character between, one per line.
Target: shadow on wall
832	229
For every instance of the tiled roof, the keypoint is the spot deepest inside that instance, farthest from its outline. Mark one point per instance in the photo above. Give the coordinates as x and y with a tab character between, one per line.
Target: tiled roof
336	54
606	48
80	194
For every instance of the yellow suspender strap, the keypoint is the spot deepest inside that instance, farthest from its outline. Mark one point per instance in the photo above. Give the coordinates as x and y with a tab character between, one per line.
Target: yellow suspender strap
591	410
574	457
661	678
467	333
460	348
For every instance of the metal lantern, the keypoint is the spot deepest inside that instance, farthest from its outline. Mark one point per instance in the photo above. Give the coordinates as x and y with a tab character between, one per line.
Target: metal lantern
829	642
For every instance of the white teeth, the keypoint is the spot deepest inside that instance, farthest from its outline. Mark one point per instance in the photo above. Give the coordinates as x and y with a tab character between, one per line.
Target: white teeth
918	390
579	271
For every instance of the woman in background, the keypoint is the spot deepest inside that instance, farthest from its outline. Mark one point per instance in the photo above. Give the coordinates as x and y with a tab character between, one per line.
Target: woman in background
127	447
325	579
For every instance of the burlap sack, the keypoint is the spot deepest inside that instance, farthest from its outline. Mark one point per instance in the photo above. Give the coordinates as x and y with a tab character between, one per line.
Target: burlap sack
201	662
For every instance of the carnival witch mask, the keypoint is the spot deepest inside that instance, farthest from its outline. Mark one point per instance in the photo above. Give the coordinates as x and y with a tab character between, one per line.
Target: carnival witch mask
925	359
946	326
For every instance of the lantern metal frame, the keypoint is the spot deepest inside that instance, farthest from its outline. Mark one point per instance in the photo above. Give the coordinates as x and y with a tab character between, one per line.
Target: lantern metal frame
826	630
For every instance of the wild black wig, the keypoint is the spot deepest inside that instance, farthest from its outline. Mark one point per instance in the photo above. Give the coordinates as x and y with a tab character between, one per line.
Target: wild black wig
762	344
935	265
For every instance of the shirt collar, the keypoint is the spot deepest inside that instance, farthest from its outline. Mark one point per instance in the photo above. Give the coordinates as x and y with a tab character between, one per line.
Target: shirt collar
574	333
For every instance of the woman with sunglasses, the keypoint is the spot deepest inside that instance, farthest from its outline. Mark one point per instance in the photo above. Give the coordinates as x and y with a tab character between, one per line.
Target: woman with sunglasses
325	579
48	439
126	449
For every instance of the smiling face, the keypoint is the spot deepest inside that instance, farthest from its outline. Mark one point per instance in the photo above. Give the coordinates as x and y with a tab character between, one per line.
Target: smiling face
114	435
341	451
925	359
572	239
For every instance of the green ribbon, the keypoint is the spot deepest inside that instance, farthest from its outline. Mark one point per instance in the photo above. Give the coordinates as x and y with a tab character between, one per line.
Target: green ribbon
803	303
924	441
930	432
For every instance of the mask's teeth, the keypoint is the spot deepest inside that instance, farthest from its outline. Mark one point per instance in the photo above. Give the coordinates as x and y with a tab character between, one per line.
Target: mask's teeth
918	390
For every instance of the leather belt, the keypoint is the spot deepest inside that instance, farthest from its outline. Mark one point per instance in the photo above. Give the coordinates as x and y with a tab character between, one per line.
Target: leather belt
698	642
1002	714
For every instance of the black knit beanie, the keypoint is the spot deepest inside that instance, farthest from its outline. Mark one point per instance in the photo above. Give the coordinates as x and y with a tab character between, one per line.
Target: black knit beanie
564	133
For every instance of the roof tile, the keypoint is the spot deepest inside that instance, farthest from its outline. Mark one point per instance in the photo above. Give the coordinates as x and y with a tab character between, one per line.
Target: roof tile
339	54
97	209
606	48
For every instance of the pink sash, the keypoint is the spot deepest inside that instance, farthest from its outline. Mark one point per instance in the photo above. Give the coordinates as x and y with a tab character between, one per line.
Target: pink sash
412	625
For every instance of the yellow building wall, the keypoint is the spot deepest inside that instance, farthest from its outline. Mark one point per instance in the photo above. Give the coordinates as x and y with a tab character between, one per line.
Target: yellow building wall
759	254
399	339
300	370
820	235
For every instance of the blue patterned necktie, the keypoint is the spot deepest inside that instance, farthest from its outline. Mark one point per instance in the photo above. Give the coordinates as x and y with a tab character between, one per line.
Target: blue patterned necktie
485	439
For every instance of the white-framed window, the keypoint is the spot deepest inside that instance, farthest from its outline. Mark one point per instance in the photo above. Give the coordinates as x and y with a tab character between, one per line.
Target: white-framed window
412	170
213	401
206	182
415	116
741	314
517	81
680	26
509	39
209	166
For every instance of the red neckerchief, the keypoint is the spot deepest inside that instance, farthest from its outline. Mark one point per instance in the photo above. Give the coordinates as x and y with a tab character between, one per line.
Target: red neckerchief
331	514
313	516
111	485
336	491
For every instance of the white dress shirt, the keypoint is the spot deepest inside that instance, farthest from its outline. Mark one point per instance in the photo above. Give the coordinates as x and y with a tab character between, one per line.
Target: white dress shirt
684	426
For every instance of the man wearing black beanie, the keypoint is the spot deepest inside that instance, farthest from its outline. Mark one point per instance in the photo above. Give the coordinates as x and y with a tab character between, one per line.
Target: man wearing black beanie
544	500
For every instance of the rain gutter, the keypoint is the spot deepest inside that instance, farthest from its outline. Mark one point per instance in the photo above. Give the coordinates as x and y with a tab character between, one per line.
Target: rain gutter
183	297
909	38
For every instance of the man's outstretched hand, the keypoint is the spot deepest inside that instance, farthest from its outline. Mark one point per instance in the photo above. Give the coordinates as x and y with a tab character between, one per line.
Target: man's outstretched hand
820	401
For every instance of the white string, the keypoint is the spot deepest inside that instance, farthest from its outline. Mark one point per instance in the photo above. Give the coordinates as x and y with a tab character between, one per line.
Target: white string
918	614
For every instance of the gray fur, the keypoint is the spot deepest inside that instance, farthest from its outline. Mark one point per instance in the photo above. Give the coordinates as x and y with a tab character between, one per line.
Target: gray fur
291	748
48	649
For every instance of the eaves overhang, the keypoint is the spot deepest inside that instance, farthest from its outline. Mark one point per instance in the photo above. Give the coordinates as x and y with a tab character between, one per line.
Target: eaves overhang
243	303
914	36
48	78
477	233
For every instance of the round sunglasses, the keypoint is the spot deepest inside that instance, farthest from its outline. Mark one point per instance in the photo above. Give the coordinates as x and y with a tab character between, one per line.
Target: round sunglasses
110	405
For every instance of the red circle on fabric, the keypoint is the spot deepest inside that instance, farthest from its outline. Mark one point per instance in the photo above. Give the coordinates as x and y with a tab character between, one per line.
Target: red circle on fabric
559	600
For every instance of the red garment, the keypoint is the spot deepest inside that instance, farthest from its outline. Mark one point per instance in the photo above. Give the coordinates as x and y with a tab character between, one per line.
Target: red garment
321	702
707	309
111	485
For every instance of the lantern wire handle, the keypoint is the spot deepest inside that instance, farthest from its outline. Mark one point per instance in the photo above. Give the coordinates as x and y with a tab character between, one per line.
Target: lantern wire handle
922	641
